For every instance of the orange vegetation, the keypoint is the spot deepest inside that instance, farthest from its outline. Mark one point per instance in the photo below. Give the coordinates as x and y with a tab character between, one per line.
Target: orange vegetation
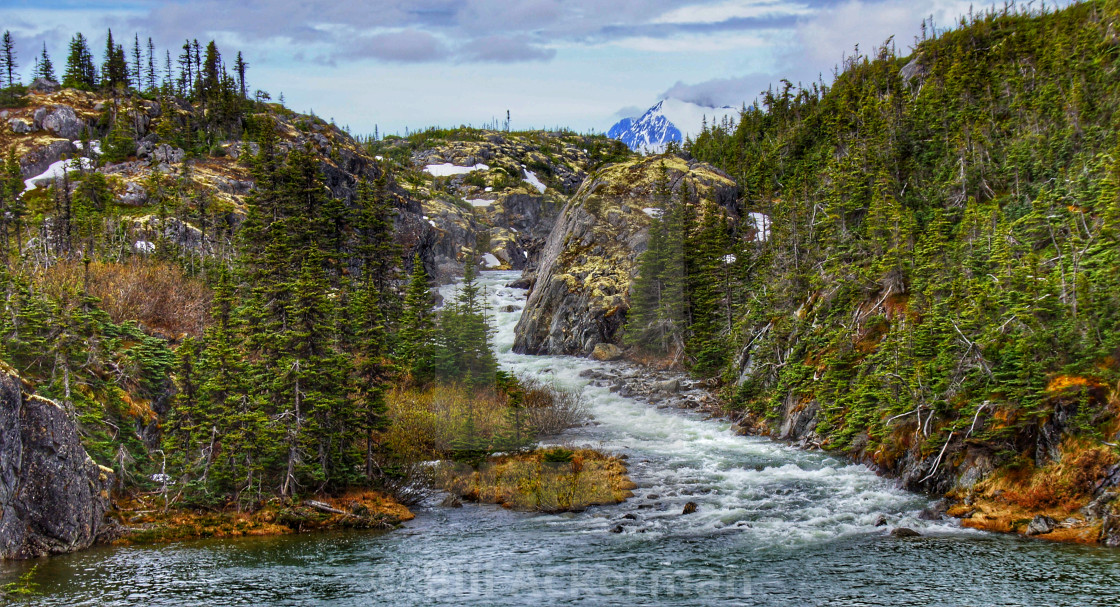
1008	500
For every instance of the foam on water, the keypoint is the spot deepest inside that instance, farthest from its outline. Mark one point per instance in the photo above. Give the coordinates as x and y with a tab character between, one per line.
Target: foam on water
762	489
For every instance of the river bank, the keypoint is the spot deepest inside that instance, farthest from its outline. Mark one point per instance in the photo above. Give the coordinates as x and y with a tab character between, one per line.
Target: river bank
142	519
1002	502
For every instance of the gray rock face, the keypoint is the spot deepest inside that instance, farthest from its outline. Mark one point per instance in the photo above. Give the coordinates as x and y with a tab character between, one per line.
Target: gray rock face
42	85
53	497
40	158
60	120
164	153
151	228
134	195
1041	525
913	70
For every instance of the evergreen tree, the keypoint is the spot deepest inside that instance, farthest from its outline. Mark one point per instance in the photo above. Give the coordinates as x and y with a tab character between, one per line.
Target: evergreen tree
137	63
153	77
8	63
46	66
416	336
114	71
80	71
464	342
240	66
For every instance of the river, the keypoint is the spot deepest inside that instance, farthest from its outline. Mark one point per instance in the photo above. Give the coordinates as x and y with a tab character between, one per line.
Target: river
775	526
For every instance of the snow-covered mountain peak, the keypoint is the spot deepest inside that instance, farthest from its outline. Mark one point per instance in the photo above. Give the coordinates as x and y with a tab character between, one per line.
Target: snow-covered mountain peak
668	120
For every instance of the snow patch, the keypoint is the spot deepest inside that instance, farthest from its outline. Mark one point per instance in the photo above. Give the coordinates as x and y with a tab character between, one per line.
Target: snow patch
57	169
491	261
144	246
654	213
479	202
447	169
534	181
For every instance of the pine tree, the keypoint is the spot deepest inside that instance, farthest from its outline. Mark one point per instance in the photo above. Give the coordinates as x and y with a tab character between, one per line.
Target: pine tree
114	71
240	66
153	77
415	349
80	71
464	343
8	63
137	63
46	66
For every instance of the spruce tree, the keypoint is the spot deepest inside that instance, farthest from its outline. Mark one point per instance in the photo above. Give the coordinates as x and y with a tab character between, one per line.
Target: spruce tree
80	72
8	63
114	70
46	66
415	343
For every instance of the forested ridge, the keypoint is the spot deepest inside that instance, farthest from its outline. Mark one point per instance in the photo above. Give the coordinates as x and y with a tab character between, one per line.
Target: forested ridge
231	298
931	285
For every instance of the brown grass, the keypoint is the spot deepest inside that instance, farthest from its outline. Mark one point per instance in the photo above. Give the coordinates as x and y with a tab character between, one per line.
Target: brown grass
156	294
431	423
528	482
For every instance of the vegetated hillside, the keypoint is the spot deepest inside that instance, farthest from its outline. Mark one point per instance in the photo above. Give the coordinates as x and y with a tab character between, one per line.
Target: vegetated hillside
939	294
214	285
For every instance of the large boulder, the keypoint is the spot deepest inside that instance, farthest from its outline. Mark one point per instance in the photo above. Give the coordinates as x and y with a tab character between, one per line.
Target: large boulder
582	290
19	126
165	154
606	352
60	120
53	497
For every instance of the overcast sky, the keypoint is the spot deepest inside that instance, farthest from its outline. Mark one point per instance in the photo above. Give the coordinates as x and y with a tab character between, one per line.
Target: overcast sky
575	63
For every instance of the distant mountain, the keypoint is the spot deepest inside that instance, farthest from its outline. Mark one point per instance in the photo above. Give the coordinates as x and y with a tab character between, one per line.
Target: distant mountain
668	120
621	127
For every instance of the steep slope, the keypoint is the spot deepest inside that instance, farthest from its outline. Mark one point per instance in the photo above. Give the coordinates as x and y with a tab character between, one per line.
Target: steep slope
581	293
938	294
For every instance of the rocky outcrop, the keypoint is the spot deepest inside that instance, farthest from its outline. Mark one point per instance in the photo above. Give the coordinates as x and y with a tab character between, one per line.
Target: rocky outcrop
581	293
53	497
60	120
42	85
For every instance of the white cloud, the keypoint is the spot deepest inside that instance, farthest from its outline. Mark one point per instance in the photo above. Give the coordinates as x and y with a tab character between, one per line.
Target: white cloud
693	43
731	9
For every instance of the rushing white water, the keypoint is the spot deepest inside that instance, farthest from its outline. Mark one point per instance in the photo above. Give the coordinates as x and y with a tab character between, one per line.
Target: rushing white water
771	492
775	526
